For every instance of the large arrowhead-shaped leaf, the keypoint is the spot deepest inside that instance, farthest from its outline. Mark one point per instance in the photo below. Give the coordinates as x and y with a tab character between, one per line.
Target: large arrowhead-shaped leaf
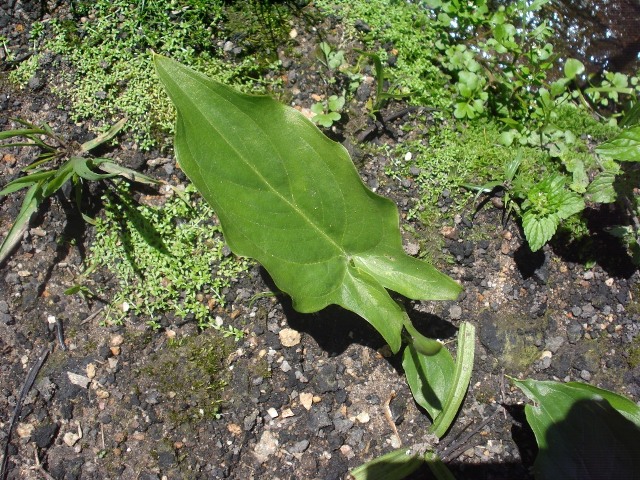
292	199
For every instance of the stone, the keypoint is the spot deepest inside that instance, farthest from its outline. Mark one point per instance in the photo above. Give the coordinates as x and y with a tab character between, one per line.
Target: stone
306	400
79	380
266	446
289	337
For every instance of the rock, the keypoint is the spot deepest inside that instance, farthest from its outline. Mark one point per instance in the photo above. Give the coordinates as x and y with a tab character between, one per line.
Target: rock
554	343
266	446
325	380
79	380
574	332
363	417
298	447
44	434
455	312
71	438
24	430
35	83
306	400
289	337
166	459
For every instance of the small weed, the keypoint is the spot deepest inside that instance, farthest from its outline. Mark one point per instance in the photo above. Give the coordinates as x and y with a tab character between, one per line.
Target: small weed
166	260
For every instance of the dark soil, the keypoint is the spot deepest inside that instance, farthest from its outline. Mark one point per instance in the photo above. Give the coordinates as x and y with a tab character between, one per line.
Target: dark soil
125	402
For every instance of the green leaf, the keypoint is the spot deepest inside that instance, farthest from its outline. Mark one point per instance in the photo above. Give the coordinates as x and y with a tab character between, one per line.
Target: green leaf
573	68
394	465
104	137
538	230
459	381
429	377
583	432
26	181
624	147
110	167
601	189
82	168
29	206
292	199
568	203
335	103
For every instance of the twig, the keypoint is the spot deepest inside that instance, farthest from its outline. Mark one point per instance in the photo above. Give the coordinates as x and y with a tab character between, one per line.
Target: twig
38	466
463	442
92	316
28	383
60	334
387	415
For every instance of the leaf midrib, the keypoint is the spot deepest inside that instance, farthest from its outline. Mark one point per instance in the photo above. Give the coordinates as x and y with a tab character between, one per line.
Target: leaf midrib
293	206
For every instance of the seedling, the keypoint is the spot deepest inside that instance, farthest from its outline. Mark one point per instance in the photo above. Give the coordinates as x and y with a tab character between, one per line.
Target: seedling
327	113
58	163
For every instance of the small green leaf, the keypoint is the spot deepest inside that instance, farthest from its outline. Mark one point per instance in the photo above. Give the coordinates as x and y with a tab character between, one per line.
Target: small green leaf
583	432
573	68
624	147
538	230
429	377
568	203
336	103
601	189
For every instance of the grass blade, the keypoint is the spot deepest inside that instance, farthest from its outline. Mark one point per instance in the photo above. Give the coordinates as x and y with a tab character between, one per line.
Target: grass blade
29	206
461	378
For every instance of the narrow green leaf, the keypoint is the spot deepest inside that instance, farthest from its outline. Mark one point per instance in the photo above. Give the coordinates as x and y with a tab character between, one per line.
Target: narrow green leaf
624	147
292	199
26	181
21	132
81	167
583	432
29	206
459	381
62	176
437	467
113	168
104	137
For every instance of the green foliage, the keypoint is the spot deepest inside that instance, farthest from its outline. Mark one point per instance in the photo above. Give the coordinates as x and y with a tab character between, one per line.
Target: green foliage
111	72
582	431
166	259
291	198
326	113
408	32
58	162
438	384
321	234
382	95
